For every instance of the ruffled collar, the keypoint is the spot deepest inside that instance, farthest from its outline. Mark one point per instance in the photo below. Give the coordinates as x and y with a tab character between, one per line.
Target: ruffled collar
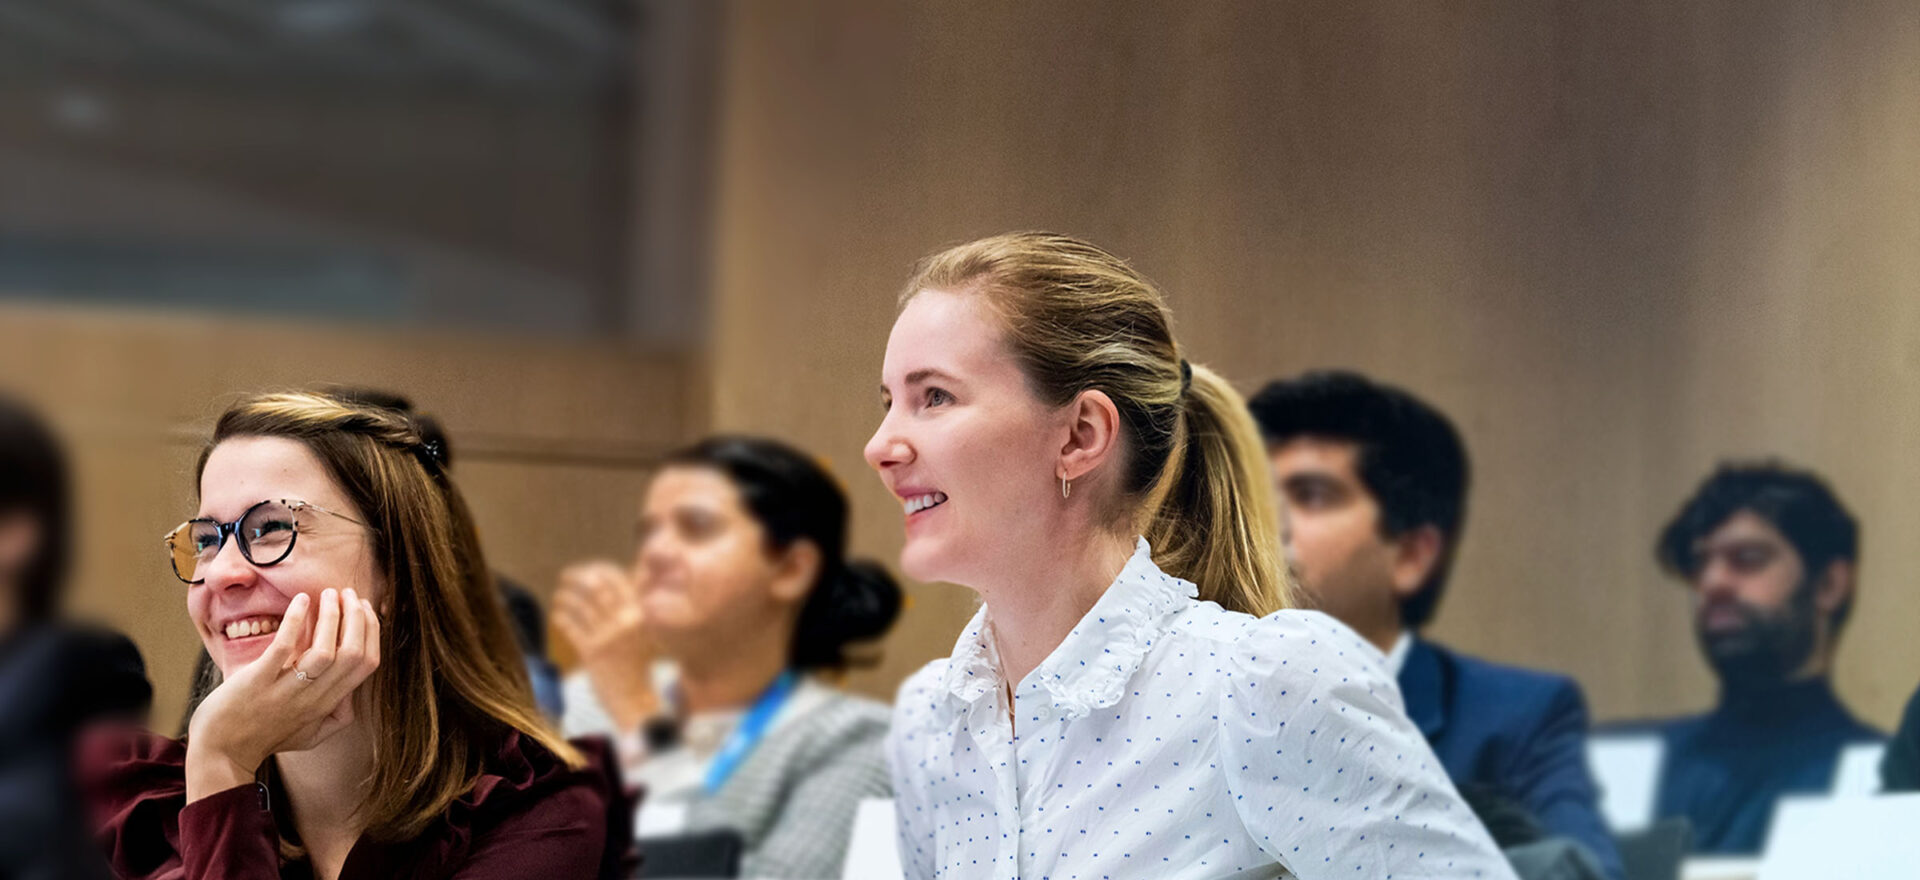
1091	666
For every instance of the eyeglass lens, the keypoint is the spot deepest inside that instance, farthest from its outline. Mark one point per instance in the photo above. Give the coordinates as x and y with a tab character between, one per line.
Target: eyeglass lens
265	533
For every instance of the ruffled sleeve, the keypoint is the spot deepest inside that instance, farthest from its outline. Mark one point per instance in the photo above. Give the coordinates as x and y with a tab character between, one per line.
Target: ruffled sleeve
135	784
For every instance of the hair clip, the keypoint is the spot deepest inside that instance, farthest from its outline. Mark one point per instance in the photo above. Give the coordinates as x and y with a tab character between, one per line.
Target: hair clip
432	456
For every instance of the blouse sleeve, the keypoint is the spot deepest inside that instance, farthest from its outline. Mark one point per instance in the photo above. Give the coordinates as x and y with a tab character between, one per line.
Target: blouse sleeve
230	834
582	715
136	786
1326	771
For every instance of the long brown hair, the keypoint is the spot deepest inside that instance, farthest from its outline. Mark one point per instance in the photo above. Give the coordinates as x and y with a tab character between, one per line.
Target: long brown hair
1195	480
451	684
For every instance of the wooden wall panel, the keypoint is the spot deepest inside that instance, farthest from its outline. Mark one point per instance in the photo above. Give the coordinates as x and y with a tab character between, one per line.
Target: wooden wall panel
1614	241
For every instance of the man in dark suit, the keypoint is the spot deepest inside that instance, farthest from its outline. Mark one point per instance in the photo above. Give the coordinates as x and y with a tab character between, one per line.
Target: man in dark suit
1768	553
1900	767
1374	483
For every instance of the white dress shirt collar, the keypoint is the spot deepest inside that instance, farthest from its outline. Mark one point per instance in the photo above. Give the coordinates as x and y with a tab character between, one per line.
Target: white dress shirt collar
1397	657
1090	668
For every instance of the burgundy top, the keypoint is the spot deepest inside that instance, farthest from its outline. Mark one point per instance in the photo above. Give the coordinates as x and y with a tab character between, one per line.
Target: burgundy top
527	816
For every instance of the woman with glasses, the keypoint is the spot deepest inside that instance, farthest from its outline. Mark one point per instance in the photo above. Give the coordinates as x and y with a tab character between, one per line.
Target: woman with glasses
741	580
1132	701
56	677
374	719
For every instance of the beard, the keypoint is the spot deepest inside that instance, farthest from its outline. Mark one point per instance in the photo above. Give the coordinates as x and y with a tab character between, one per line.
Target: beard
1767	648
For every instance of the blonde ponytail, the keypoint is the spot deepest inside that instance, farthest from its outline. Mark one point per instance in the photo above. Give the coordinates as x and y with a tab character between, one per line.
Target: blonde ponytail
1214	519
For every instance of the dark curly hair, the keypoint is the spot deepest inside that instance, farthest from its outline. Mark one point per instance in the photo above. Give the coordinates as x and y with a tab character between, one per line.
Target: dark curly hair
1411	459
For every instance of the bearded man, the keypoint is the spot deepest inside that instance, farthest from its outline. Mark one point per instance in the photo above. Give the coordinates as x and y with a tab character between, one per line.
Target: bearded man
1769	556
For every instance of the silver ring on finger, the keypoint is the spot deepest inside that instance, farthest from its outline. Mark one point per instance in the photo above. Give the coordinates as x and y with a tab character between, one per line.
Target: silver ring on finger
302	675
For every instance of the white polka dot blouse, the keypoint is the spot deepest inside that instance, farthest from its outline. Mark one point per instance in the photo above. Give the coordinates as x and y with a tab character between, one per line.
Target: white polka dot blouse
1168	738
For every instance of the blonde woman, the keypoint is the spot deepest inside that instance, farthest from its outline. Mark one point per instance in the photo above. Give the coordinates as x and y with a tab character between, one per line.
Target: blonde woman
374	718
1133	699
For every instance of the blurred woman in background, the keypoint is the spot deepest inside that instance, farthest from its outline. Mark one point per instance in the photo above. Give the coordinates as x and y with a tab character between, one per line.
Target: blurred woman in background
374	717
55	677
740	579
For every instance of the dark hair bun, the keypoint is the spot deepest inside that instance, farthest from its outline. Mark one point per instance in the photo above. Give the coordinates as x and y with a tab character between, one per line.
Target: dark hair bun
858	603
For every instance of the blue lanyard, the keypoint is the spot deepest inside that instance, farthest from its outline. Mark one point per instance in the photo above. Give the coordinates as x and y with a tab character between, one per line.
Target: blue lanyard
750	731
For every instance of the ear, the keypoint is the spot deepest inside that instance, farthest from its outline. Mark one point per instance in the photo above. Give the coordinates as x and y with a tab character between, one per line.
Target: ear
1416	553
19	538
1093	434
796	571
1835	587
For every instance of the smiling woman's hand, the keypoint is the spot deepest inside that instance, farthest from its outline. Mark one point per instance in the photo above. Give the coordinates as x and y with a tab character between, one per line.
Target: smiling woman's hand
292	698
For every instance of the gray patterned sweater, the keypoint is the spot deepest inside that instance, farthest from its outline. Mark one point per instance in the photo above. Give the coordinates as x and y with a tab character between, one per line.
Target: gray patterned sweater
794	797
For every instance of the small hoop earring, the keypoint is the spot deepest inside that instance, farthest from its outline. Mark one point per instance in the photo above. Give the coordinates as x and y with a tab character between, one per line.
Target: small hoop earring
1066	487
